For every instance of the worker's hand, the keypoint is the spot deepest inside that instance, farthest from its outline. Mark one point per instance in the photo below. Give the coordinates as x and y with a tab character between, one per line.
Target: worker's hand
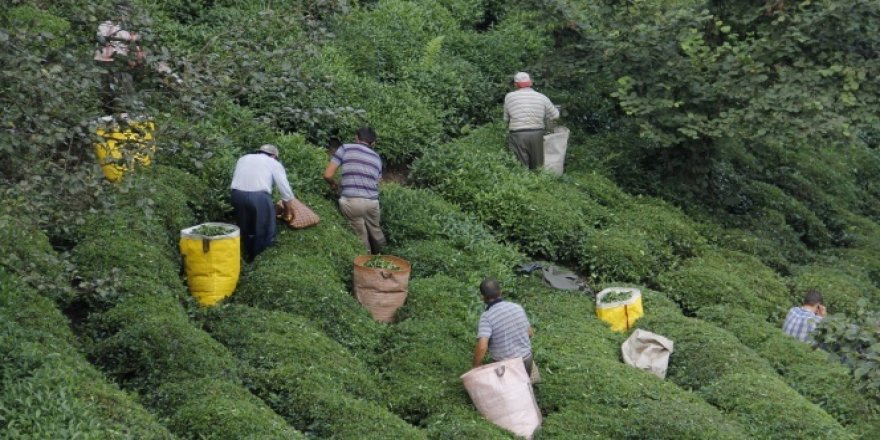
335	187
820	311
289	213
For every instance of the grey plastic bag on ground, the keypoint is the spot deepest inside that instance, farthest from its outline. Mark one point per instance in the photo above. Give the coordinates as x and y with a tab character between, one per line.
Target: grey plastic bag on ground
561	279
555	145
647	351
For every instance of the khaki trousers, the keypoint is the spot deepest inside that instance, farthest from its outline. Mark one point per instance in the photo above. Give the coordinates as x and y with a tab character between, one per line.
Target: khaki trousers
364	216
528	147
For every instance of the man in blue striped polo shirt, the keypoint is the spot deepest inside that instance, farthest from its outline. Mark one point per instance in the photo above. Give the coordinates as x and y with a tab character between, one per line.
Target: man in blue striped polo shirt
801	321
504	329
358	188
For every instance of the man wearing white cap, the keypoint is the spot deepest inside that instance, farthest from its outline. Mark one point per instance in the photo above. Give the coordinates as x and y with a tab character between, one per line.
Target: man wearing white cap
525	111
251	193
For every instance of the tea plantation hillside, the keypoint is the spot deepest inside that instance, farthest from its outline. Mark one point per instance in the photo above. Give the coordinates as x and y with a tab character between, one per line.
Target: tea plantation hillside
723	160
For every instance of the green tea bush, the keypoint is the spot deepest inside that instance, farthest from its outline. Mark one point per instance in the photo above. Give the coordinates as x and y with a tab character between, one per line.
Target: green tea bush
703	353
383	39
748	242
511	200
26	252
511	44
811	373
730	278
47	388
306	274
321	412
853	340
707	357
841	290
147	339
565	323
269	340
810	229
779	413
119	254
462	422
423	361
209	407
439	238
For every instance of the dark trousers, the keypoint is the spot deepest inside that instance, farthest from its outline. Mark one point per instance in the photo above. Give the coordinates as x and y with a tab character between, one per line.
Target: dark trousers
255	216
528	147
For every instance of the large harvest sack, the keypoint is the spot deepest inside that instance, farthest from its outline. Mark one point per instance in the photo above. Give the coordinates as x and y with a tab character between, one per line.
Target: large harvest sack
555	144
647	351
212	259
502	393
382	290
303	216
126	143
619	306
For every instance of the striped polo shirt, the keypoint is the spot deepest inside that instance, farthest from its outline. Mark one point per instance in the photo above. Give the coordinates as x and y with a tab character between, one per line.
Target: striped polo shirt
800	322
526	109
361	171
507	327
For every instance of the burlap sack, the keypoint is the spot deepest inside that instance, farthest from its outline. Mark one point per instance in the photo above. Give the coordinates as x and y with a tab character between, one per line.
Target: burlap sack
303	215
502	392
381	291
647	351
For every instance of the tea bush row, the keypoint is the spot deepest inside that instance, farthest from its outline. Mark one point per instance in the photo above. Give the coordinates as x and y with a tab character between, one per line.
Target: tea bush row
549	218
718	367
143	338
810	372
579	360
312	381
569	344
47	387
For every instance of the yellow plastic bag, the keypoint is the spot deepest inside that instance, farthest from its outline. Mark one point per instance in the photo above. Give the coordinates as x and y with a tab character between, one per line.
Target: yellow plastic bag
125	144
621	313
212	262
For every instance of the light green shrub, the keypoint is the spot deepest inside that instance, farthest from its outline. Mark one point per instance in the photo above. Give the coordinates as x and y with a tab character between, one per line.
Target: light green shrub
270	340
462	422
47	388
26	252
730	278
383	39
810	372
779	413
415	390
840	290
147	339
214	408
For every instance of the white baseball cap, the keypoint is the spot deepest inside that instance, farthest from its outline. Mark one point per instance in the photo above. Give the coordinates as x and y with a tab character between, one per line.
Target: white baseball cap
522	79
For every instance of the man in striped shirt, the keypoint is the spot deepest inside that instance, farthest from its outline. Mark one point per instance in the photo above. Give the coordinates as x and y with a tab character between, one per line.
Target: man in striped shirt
525	111
504	330
801	321
359	187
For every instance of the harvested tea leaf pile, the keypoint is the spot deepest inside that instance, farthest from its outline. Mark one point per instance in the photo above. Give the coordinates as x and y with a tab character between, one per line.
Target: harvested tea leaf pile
211	230
615	297
378	262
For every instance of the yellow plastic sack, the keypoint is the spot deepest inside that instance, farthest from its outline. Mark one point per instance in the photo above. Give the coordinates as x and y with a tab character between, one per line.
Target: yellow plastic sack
623	313
212	262
125	145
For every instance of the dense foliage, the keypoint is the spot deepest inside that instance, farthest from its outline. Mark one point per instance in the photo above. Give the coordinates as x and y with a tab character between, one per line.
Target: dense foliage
723	160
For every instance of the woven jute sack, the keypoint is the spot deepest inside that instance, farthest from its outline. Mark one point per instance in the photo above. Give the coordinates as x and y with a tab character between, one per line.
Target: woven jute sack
303	215
381	291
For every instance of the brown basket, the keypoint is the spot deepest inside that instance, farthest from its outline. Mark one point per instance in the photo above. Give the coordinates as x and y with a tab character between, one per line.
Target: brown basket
381	291
303	215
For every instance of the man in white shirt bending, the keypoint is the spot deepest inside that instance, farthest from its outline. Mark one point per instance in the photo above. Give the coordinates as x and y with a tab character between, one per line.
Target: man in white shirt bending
251	193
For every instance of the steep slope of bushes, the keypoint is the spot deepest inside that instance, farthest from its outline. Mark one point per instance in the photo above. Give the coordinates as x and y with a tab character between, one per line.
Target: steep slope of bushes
48	389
